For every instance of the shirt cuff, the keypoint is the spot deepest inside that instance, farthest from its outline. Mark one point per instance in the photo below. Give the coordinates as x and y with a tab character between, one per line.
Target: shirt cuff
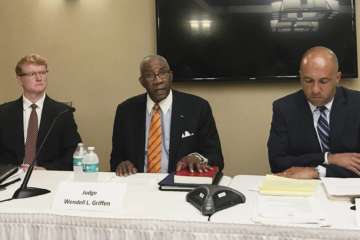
326	158
322	171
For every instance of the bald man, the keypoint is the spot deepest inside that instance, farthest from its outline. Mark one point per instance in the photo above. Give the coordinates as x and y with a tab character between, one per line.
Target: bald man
315	132
163	130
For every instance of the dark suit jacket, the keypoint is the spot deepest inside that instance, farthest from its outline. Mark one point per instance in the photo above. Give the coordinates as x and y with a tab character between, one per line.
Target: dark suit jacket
189	113
60	145
293	140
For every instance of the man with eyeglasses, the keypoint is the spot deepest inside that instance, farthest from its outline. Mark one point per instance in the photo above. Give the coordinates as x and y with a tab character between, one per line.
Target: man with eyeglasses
163	130
25	122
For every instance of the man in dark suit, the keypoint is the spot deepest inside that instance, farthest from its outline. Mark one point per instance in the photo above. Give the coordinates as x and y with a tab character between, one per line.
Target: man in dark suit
25	122
188	136
315	132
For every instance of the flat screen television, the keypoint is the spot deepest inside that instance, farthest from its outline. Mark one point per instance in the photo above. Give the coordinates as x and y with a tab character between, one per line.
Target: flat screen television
235	40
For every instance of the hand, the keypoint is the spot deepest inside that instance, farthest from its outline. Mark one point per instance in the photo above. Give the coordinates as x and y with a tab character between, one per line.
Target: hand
125	168
192	162
24	167
350	161
300	173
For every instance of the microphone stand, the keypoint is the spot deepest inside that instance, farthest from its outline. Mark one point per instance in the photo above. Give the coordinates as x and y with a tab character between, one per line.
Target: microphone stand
24	191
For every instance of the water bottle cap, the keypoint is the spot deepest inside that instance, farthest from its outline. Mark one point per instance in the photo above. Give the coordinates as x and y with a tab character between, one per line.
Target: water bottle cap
91	148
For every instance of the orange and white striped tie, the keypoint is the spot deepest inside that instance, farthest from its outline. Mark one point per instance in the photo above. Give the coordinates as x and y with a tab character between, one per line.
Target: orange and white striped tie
154	141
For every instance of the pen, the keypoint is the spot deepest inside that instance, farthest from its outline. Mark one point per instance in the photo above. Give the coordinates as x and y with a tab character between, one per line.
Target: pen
9	183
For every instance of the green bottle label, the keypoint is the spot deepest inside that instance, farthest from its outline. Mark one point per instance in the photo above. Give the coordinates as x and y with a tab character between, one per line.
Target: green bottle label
92	167
77	161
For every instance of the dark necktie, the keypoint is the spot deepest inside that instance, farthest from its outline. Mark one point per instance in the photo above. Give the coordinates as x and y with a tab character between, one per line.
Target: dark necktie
323	129
154	142
31	138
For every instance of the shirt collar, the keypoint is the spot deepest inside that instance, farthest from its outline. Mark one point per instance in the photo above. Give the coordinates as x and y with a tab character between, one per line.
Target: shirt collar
328	106
164	104
39	103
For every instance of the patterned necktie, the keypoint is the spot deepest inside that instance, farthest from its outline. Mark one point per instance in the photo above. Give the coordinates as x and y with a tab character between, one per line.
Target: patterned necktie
154	141
323	129
31	138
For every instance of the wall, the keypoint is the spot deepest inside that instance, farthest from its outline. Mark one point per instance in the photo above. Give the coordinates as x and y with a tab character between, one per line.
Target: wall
94	49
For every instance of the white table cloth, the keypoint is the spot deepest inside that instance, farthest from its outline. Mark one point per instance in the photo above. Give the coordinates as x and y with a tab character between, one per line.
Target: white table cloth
148	213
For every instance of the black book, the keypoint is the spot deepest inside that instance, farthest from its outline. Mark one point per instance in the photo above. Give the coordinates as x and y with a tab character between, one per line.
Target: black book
167	184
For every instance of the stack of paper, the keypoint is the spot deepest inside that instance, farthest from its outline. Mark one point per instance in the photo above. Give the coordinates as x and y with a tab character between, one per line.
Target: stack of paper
357	214
342	187
275	185
289	211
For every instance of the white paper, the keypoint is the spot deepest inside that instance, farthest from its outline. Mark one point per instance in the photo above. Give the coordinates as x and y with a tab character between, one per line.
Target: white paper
288	210
90	196
342	186
357	205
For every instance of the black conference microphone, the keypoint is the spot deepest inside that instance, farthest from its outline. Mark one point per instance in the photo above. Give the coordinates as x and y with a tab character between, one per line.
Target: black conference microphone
24	191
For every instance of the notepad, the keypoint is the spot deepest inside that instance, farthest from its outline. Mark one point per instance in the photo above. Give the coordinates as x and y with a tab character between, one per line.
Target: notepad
289	210
281	186
342	187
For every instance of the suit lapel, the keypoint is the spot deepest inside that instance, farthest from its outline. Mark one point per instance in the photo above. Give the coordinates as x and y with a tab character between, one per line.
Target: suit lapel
140	118
308	128
337	116
177	125
47	116
18	121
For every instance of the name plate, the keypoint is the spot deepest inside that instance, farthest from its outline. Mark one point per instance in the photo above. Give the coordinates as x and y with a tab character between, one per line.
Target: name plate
89	196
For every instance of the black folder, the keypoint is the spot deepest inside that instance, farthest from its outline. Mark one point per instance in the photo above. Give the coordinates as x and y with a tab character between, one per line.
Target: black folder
167	184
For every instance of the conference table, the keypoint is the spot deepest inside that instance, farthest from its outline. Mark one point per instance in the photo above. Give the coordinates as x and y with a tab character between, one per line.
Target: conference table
147	213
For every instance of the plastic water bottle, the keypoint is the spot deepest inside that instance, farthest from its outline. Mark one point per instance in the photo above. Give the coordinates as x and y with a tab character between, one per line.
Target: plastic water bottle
91	164
78	158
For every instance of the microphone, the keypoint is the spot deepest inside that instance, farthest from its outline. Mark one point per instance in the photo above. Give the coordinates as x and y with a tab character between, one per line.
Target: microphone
24	191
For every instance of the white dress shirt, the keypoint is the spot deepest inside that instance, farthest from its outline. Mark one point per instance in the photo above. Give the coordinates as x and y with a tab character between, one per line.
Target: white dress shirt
316	115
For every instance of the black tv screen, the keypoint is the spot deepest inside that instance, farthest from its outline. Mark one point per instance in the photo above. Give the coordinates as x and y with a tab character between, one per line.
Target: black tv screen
231	40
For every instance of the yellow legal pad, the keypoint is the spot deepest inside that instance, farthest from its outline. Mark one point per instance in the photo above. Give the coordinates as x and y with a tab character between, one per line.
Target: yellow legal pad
275	185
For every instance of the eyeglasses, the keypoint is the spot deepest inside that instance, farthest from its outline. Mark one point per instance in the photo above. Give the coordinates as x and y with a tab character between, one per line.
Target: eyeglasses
153	76
33	74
